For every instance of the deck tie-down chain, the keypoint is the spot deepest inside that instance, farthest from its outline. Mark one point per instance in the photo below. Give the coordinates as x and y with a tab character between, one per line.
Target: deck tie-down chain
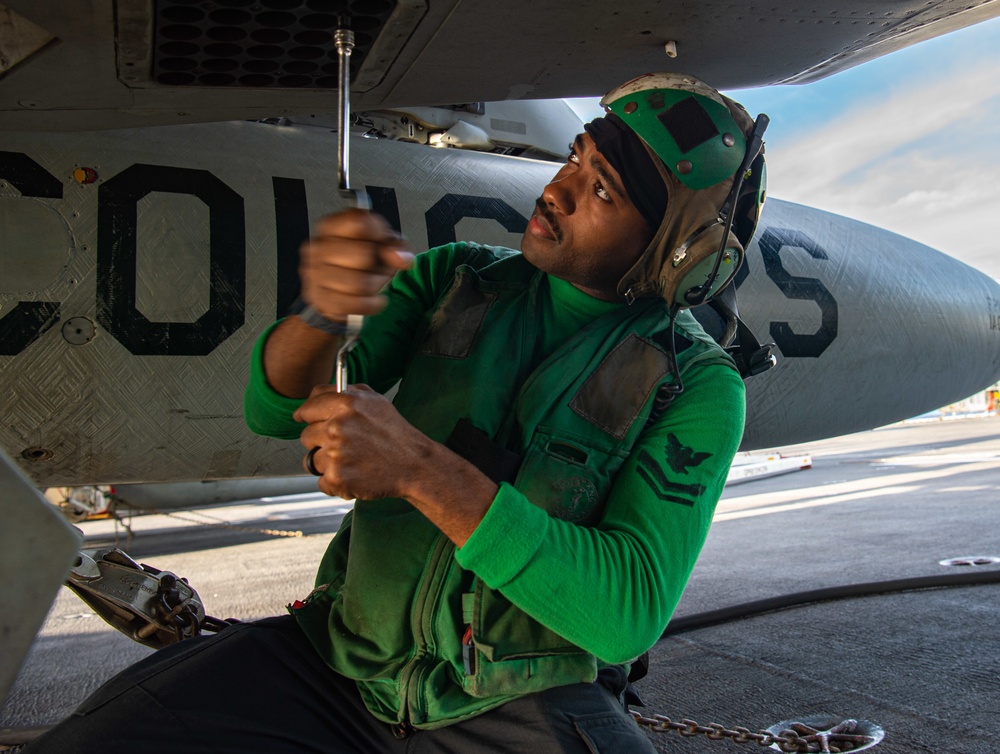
797	737
221	523
190	516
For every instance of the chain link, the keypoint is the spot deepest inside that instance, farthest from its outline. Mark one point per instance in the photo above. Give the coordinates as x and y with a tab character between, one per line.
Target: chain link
223	524
797	738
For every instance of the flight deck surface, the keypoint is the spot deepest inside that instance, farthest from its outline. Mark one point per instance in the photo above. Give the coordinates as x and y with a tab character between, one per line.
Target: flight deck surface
877	506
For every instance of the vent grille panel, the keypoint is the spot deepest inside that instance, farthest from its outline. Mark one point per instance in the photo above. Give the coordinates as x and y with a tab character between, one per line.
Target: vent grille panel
260	43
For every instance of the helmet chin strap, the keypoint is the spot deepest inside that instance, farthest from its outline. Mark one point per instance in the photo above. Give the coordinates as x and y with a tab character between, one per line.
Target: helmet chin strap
639	287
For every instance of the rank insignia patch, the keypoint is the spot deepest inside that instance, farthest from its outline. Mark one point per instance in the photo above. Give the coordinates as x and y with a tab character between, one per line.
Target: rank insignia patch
681	458
678	459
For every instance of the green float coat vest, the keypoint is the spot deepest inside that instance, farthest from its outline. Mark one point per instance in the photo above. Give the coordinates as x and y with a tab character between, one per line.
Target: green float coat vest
426	640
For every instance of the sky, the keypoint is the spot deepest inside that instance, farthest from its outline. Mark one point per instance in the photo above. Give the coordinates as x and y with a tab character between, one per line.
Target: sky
909	142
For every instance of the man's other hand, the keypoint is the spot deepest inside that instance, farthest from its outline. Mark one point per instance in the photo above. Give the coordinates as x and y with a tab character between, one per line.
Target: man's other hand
366	448
347	262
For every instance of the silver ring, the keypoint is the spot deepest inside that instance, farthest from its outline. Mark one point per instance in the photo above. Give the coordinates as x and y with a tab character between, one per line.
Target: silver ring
310	465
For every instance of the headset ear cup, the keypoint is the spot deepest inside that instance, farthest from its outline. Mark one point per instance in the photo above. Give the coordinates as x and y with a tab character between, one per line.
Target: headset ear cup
700	292
686	272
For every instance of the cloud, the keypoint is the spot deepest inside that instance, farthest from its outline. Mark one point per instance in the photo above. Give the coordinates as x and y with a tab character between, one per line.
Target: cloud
922	161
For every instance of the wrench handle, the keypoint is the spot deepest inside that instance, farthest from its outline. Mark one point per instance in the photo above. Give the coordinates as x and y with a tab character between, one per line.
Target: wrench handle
344	41
354	322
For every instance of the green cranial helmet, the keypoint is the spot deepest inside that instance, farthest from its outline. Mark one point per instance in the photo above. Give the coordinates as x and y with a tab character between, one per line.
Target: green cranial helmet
711	154
685	122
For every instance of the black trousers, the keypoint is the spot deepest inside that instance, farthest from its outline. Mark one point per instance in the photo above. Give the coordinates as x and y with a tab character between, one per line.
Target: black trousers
260	687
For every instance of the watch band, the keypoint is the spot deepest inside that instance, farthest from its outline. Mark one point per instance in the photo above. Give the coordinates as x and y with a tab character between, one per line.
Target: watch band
312	317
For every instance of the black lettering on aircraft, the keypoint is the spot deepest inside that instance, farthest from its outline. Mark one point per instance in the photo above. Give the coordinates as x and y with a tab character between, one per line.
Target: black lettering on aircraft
116	262
450	208
384	202
26	322
291	220
743	272
993	305
116	257
791	343
28	177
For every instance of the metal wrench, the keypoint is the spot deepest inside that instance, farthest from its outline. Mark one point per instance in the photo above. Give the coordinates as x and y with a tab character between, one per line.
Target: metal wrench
344	40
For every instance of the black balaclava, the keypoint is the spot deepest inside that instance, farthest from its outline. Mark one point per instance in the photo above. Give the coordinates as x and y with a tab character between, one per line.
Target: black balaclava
630	158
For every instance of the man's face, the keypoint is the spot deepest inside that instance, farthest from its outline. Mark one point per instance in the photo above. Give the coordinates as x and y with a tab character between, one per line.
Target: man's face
585	229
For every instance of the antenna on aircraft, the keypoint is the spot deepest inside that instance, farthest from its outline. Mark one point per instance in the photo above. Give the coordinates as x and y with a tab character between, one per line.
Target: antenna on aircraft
344	41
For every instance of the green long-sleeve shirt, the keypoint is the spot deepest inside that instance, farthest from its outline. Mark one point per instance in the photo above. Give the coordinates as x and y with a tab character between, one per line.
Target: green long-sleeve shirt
608	587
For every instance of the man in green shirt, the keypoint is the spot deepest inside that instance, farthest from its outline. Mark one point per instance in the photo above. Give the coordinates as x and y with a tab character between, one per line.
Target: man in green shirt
531	502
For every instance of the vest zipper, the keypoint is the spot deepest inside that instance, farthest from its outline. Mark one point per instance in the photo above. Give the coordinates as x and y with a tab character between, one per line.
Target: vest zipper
411	678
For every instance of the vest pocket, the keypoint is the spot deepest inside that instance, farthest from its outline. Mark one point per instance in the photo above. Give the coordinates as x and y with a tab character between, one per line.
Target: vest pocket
567	477
512	653
507	651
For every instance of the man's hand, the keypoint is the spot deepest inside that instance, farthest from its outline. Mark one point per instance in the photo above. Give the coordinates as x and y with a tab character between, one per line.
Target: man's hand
366	449
352	255
349	259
